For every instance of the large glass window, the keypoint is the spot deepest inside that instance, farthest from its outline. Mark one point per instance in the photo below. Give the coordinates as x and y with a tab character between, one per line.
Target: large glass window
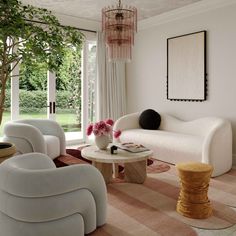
58	96
33	91
68	94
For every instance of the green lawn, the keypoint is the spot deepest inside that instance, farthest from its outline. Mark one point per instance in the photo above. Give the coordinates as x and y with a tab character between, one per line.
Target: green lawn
66	120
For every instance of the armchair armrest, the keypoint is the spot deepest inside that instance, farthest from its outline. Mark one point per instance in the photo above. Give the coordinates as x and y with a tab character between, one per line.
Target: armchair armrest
21	179
27	132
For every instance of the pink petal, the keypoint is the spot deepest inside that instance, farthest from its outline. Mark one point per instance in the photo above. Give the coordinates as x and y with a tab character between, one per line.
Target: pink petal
110	122
117	134
89	129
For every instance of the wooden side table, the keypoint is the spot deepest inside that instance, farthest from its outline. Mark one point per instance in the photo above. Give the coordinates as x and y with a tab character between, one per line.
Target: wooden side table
193	201
134	163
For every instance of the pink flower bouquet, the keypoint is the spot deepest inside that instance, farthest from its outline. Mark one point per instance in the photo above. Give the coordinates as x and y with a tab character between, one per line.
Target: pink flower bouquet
103	128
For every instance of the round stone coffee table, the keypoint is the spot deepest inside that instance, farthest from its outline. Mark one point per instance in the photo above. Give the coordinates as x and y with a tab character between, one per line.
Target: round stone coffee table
134	163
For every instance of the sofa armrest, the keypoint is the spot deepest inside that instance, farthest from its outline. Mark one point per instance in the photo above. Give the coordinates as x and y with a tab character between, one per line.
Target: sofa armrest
217	147
27	132
130	121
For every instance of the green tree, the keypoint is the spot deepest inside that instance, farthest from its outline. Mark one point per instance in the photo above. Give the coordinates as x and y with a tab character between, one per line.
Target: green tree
69	72
33	35
69	79
33	78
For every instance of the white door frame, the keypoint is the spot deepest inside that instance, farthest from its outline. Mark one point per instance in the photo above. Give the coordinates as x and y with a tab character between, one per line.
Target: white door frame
15	92
51	95
84	87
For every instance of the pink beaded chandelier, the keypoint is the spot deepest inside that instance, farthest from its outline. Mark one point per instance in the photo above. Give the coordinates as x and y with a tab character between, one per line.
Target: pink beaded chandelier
119	25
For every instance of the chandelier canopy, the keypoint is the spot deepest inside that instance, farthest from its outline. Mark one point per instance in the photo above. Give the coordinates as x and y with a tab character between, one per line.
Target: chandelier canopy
119	24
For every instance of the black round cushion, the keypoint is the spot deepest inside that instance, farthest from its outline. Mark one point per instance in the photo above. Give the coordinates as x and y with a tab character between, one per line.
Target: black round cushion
150	119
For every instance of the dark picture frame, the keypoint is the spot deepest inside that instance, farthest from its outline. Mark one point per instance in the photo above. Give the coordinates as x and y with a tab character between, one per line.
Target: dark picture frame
186	67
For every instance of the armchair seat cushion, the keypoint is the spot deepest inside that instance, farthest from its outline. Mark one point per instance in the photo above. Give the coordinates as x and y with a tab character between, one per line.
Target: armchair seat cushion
52	146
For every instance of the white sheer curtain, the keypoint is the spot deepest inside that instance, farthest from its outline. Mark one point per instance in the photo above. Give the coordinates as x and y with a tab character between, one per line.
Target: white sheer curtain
111	84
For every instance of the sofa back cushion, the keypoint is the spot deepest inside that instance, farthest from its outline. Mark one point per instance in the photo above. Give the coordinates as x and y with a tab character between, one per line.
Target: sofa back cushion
199	127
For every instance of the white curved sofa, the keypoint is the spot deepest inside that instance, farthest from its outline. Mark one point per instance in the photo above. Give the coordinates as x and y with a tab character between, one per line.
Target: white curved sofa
38	199
207	140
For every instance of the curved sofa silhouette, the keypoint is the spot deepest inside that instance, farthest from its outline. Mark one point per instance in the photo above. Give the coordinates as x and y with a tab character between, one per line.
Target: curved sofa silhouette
207	140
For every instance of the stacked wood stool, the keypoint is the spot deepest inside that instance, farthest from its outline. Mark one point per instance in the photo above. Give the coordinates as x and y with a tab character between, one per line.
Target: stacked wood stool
193	200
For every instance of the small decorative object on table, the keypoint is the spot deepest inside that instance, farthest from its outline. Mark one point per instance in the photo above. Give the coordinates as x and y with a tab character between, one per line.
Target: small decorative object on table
132	147
103	133
113	149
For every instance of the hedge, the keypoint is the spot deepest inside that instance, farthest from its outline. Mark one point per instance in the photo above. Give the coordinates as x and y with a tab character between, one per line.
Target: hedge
36	101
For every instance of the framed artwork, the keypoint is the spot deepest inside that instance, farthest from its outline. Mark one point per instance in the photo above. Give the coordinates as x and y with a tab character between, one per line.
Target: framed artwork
186	67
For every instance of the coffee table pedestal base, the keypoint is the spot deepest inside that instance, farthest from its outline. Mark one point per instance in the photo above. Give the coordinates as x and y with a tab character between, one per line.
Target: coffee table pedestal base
135	164
105	169
136	172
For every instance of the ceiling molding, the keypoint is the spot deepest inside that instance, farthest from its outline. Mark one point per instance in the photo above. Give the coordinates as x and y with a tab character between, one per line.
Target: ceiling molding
78	22
189	10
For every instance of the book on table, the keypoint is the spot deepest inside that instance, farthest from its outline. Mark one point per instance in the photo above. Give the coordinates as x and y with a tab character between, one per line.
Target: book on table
132	147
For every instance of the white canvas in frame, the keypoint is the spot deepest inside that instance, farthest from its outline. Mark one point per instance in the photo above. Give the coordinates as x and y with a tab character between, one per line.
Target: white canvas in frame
186	70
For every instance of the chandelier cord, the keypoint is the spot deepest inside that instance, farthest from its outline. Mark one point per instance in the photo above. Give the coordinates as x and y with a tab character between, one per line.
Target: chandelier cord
119	4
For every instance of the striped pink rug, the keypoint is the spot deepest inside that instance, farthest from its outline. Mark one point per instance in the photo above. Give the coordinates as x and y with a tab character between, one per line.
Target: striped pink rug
149	208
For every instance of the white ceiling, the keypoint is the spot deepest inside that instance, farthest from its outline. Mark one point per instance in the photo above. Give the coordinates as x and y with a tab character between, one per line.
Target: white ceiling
91	9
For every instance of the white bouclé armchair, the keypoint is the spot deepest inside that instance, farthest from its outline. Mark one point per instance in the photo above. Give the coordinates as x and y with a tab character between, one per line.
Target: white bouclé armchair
38	199
36	135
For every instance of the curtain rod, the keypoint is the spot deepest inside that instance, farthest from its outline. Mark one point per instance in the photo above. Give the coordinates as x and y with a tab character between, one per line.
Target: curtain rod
86	30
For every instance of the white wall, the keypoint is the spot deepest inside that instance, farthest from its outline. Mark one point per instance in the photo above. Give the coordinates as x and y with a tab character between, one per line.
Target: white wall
146	74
